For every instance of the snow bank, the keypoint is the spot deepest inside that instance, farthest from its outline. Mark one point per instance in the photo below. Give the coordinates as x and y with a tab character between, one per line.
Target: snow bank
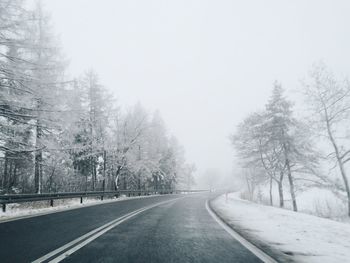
298	237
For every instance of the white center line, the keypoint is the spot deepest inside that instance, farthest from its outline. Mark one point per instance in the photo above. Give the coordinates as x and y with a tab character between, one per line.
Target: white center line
92	235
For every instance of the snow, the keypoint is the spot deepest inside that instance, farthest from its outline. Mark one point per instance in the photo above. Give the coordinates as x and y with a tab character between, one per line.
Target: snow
298	236
315	201
22	210
323	203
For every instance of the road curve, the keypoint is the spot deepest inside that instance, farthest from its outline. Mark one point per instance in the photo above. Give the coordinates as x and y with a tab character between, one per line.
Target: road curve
169	228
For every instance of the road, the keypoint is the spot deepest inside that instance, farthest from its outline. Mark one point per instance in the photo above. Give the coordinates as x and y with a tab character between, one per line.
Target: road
172	228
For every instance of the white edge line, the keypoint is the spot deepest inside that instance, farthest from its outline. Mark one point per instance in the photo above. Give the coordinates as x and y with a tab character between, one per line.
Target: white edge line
252	248
92	235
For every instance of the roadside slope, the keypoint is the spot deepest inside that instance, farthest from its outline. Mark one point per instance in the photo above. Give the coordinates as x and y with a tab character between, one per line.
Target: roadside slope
286	235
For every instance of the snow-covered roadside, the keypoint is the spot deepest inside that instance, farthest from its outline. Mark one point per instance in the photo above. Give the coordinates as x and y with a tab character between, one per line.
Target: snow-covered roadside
296	236
16	211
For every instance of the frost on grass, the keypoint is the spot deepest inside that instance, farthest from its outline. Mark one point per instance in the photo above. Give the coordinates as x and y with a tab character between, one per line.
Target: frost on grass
302	237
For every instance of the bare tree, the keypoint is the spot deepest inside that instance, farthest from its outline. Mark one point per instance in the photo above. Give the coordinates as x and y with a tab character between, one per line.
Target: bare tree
330	102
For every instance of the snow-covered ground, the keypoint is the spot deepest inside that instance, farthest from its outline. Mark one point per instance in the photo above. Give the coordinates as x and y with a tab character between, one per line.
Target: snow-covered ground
314	201
14	211
286	235
323	203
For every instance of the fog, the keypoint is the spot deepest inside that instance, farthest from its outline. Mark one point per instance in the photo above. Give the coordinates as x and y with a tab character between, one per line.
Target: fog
203	64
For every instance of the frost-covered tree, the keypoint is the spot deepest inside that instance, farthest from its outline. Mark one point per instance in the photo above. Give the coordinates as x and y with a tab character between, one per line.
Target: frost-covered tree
280	127
97	103
30	73
258	152
58	134
276	142
14	128
46	76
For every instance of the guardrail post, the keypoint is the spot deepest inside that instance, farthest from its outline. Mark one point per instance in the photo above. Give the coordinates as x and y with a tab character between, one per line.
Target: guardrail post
51	202
101	197
4	207
81	199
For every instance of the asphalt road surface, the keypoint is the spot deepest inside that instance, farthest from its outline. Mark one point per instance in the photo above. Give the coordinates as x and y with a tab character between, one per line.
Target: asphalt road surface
169	228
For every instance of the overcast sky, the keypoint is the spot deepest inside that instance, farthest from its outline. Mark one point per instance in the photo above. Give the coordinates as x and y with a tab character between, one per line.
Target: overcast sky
204	64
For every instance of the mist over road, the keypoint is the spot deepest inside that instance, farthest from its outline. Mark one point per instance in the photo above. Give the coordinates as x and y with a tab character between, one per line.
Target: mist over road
174	228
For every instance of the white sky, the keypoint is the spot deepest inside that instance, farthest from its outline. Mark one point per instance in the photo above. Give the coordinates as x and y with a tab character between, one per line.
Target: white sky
204	64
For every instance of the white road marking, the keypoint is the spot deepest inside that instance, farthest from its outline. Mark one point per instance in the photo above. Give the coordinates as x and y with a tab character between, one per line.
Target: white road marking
75	241
92	235
252	248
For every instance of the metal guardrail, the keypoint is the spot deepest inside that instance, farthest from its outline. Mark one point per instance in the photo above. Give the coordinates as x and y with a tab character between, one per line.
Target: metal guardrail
22	198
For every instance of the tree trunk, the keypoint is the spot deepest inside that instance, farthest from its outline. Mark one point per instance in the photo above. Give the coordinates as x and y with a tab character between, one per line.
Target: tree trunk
51	178
345	180
139	172
250	191
125	185
270	192
339	160
38	160
14	178
38	153
38	171
291	185
92	172
117	175
280	188
9	177
104	169
4	178
139	181
86	182
116	182
280	193
156	182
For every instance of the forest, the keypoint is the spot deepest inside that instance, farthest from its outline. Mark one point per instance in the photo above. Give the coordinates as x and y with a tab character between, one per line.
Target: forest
61	133
282	148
